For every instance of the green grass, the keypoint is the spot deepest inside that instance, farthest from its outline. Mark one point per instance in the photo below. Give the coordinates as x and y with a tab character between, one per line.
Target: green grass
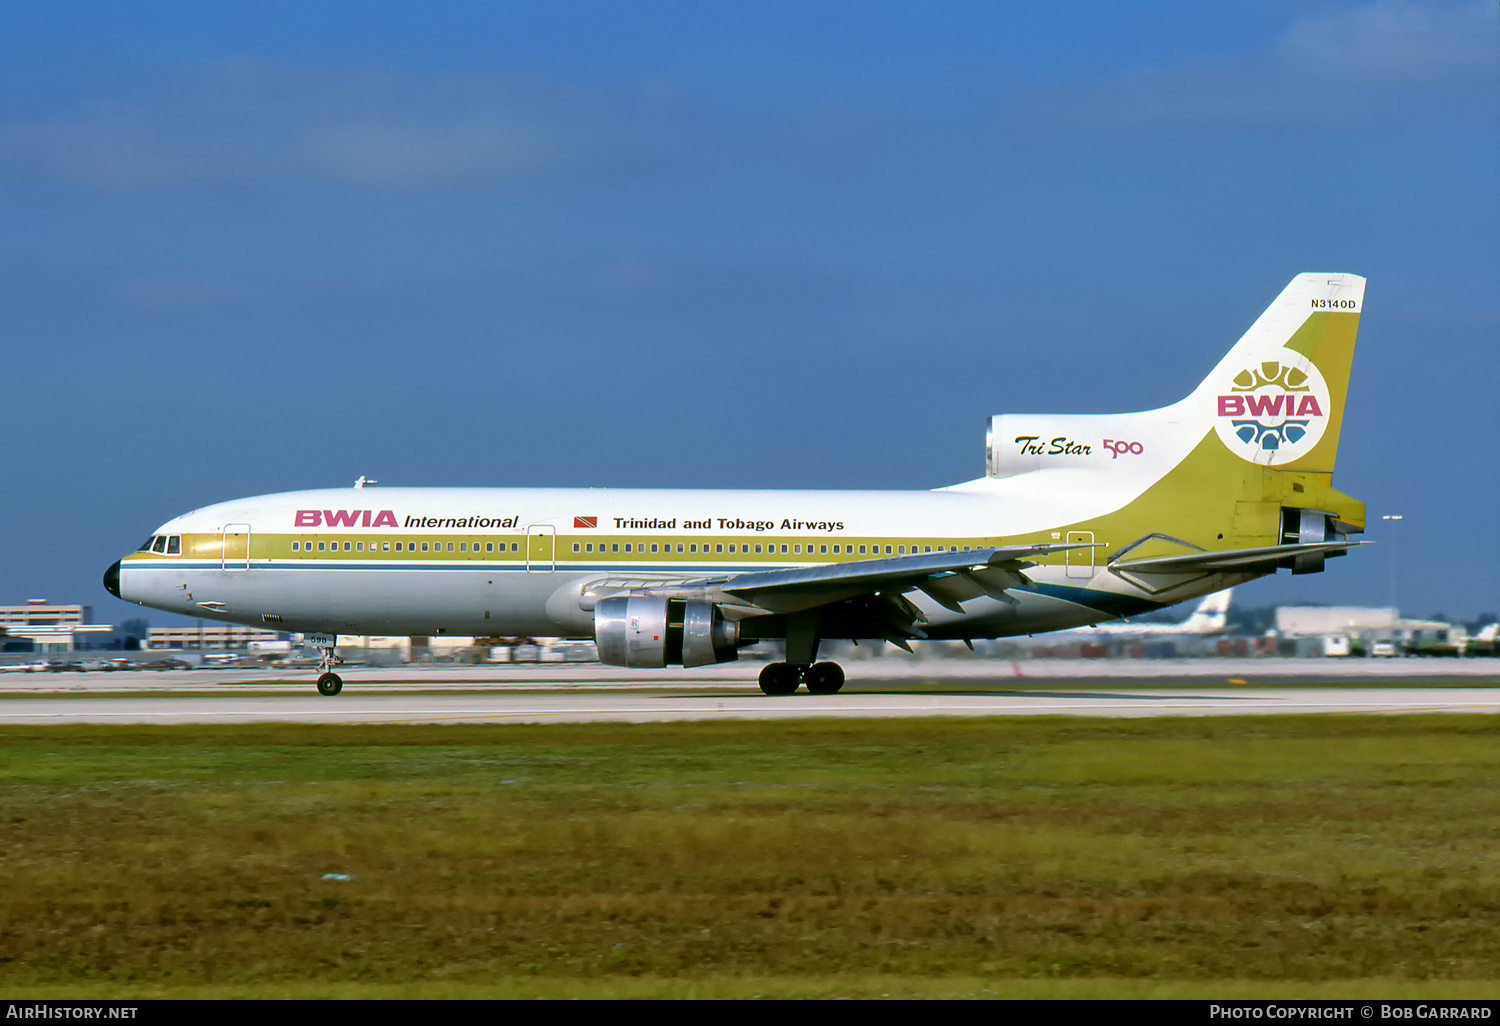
1314	856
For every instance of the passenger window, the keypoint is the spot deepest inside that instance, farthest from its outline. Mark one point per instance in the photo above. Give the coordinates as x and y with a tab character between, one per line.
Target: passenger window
679	546
575	546
320	546
489	546
783	550
823	549
653	546
757	550
424	546
861	550
398	547
835	550
294	546
627	546
346	546
385	546
719	548
174	545
887	550
615	547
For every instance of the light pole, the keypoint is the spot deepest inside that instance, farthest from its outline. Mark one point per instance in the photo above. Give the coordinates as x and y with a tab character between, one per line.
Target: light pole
1395	551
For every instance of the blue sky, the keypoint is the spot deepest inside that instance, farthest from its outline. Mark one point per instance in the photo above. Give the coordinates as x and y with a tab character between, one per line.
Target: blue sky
252	247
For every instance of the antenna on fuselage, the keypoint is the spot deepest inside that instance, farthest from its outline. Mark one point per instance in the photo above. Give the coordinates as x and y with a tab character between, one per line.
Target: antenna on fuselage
364	481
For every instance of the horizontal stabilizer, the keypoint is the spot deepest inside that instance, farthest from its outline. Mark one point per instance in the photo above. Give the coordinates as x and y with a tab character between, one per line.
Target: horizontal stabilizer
1265	559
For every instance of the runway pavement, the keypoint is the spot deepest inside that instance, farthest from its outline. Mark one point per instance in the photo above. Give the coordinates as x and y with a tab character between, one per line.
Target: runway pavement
540	693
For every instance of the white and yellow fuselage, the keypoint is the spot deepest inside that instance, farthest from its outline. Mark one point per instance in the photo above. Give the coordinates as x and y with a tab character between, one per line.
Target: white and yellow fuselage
1079	519
520	561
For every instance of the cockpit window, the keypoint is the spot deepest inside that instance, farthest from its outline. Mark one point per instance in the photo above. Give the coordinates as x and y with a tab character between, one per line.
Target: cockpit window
174	545
146	545
160	545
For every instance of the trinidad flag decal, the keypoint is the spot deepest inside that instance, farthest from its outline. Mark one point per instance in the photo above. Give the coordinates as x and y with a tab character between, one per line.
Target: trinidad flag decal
585	521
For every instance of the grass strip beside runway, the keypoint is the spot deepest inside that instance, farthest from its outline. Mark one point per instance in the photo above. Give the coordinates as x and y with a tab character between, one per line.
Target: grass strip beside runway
1257	856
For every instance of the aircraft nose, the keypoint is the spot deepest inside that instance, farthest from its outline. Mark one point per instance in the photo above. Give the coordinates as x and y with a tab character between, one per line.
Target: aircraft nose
112	579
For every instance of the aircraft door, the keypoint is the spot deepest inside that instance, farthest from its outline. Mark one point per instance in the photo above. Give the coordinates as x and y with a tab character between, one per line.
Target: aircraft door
1079	562
235	548
541	548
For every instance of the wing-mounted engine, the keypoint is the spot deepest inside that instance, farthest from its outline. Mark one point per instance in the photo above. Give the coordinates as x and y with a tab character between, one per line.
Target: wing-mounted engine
649	631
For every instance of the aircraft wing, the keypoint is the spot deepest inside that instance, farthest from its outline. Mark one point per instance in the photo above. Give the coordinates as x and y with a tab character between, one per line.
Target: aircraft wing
1266	558
991	571
878	586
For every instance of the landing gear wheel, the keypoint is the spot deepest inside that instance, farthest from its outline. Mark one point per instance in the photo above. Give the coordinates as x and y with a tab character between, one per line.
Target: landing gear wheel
825	678
330	684
779	679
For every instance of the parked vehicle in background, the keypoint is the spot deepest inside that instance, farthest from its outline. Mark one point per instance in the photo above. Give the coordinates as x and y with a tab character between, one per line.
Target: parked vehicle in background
1336	644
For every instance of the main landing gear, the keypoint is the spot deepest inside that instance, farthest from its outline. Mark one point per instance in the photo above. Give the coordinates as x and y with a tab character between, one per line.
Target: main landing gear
329	683
783	678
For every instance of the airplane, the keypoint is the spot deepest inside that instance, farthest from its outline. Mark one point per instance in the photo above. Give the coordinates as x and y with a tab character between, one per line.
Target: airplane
1486	642
1079	519
1208	618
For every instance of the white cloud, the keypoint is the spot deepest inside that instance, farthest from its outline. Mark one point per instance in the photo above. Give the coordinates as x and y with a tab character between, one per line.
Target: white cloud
1380	60
257	125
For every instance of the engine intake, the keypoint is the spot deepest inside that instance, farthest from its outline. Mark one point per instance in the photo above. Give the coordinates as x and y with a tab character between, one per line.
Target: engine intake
646	632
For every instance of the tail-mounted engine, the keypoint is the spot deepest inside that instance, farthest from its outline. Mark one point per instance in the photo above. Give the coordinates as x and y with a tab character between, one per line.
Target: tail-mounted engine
646	631
1310	526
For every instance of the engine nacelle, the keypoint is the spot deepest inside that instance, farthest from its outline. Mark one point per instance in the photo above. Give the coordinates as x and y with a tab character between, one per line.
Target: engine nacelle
647	632
1023	443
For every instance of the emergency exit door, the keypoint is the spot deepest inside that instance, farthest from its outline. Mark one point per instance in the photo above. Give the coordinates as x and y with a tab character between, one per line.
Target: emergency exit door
541	548
1080	562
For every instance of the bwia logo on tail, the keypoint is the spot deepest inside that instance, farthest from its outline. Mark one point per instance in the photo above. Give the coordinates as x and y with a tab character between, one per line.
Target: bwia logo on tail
1274	413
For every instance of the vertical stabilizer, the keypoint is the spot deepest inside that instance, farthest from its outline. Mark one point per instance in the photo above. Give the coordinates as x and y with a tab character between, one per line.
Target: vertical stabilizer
1210	616
1277	398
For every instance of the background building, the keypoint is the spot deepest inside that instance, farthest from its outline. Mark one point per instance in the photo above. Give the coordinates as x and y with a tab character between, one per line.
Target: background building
50	628
215	636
